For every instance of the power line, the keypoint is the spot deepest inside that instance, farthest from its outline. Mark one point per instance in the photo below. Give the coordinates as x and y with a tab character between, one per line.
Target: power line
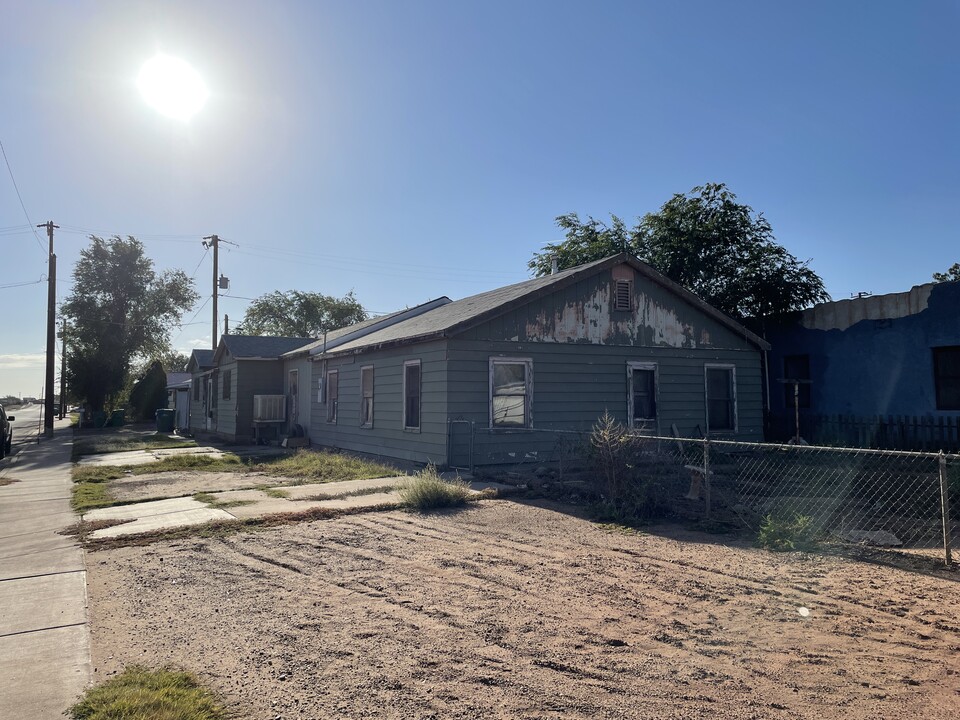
20	198
22	284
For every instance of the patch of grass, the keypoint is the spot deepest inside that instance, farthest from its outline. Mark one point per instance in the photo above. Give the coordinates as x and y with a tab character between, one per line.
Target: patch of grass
90	495
351	493
273	492
7	481
320	466
149	695
115	442
202	462
427	490
83	528
784	533
212	501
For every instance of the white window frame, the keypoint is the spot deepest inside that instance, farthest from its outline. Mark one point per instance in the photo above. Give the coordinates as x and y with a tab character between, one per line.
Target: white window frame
363	369
733	389
528	391
419	365
643	365
332	407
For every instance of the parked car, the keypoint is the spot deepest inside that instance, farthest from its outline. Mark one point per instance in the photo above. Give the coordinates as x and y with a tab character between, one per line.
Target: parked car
6	433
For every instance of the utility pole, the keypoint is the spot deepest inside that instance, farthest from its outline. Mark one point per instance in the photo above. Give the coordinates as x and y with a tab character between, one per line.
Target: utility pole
214	242
51	332
63	369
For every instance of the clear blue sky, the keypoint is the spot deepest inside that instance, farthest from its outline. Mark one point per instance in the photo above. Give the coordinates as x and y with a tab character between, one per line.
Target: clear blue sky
406	150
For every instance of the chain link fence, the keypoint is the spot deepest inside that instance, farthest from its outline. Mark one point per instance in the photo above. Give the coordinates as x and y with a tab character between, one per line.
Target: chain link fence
885	498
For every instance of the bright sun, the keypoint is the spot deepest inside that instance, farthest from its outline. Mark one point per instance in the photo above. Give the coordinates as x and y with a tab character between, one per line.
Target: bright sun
172	87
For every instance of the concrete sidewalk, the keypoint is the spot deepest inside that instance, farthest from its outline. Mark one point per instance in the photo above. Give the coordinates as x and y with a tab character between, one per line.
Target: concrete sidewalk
44	640
154	515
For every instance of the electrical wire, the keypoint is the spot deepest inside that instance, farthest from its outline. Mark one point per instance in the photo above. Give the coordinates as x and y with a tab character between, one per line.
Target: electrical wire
22	284
20	198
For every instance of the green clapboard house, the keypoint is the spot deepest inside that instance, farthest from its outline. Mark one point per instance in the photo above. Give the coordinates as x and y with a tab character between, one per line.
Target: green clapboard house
504	370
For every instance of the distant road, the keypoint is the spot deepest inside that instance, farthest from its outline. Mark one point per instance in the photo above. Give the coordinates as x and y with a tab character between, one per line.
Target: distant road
25	425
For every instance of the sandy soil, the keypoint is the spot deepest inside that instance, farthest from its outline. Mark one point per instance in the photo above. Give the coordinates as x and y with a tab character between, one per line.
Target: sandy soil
507	610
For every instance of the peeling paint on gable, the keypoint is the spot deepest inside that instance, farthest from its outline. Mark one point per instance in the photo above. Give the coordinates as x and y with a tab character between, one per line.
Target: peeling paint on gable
591	321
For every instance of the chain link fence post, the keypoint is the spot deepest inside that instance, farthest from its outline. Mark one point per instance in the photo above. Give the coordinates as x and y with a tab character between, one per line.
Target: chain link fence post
945	510
707	499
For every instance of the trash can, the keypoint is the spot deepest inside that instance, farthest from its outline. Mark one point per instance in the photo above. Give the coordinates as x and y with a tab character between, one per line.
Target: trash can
164	420
118	418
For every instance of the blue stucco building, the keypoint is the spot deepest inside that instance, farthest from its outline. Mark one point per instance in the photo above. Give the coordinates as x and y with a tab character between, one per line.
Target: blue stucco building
868	357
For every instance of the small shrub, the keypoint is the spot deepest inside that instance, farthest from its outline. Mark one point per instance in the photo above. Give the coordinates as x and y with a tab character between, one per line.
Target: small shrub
784	533
428	490
629	491
148	694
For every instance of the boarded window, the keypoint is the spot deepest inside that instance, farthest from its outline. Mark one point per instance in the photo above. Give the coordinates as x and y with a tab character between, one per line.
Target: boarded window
411	395
643	396
946	375
623	295
332	395
227	378
721	399
366	396
511	392
796	367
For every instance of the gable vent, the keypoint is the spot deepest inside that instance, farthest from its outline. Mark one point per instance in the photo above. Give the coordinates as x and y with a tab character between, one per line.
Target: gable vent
623	292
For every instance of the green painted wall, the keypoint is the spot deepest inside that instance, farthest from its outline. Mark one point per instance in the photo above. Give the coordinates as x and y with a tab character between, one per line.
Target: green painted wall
387	437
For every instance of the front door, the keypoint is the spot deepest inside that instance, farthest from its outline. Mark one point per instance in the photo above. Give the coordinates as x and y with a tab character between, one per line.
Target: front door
293	398
208	405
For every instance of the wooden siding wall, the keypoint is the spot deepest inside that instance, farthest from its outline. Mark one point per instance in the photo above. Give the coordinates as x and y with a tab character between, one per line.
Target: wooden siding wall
226	413
387	436
574	384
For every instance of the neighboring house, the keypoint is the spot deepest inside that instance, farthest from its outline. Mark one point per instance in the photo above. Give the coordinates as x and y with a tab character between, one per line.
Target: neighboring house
242	367
868	358
178	398
549	354
199	365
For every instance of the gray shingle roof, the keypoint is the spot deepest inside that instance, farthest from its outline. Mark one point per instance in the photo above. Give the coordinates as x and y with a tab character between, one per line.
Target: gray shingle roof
460	314
334	335
261	346
203	358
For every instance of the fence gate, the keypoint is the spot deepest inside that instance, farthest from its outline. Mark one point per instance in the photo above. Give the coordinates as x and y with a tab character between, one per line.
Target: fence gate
460	444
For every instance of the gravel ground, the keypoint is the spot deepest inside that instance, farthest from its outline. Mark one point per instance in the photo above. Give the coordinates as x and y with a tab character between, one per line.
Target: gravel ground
509	610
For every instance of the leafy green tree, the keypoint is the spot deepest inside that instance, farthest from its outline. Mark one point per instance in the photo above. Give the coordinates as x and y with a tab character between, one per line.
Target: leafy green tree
704	240
295	313
952	274
149	392
119	310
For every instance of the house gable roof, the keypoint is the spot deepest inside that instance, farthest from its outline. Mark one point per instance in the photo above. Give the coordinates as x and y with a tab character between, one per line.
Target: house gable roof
248	347
460	315
200	360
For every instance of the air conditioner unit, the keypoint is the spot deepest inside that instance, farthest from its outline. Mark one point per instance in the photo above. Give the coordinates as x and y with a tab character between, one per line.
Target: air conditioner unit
269	408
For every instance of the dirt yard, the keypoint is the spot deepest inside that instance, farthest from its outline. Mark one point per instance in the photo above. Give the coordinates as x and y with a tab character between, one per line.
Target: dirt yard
507	610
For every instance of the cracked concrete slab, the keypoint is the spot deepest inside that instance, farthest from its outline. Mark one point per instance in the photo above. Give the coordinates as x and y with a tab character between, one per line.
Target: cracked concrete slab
145	457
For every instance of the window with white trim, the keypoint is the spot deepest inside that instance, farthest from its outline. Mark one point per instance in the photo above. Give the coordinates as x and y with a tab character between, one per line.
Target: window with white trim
642	395
623	295
411	395
366	396
720	383
332	395
511	392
